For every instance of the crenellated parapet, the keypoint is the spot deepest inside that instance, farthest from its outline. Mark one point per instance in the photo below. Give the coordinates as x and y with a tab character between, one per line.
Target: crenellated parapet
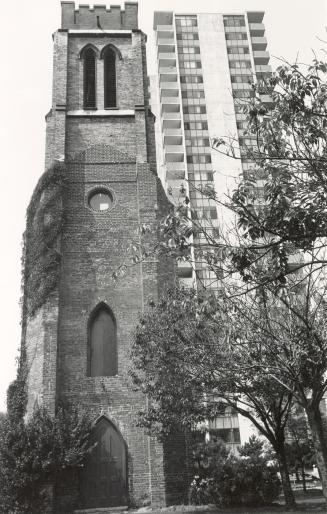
99	16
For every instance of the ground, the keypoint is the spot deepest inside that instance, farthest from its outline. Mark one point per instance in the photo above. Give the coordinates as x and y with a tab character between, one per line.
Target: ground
312	501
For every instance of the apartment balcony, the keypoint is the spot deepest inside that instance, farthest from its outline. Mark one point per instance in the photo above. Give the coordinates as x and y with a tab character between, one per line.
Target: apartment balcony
262	69
170	108
165	28
173	132
169	93
175	149
170	78
259	43
171	116
173	139
168	47
244	86
170	100
267	100
175	170
184	269
169	85
167	62
257	29
171	56
174	153
164	71
260	57
255	16
170	123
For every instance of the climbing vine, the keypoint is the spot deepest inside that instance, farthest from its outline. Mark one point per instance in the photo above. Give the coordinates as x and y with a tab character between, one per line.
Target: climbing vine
42	238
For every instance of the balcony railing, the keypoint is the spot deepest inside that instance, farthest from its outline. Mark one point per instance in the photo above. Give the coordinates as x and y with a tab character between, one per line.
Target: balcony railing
259	43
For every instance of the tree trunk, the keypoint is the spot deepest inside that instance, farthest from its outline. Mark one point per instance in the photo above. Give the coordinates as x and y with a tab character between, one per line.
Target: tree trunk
319	443
304	485
286	483
297	474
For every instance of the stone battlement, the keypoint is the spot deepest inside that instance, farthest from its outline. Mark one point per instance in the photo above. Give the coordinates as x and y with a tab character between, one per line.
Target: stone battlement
99	17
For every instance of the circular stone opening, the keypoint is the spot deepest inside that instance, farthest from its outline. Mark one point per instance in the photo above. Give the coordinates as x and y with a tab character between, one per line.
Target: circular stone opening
100	200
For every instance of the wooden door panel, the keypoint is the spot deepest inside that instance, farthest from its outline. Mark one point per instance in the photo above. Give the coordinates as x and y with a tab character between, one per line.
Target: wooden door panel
104	477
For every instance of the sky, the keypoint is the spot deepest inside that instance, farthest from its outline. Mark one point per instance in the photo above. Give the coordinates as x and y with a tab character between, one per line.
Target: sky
293	28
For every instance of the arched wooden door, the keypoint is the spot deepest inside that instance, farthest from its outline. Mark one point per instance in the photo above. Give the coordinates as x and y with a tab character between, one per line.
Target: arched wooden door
104	477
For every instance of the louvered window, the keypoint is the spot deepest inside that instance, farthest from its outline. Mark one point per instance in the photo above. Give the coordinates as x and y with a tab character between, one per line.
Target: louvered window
89	79
110	95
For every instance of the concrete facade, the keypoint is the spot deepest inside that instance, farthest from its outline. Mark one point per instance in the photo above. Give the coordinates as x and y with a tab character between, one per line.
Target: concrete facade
206	63
101	150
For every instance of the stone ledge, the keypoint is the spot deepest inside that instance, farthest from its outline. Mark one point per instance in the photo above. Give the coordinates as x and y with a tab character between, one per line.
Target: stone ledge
106	510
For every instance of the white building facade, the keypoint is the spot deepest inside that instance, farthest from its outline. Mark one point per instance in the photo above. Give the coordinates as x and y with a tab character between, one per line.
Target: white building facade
206	66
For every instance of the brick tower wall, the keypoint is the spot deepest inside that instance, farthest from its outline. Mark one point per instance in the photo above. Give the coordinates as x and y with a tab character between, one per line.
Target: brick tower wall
111	149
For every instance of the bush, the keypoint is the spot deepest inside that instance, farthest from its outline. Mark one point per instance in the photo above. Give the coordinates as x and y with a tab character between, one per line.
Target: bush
230	481
34	453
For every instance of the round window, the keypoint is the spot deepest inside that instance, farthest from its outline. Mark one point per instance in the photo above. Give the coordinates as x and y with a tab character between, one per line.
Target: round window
100	200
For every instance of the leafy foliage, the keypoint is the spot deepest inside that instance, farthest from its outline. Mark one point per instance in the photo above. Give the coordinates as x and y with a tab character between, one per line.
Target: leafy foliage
232	481
34	453
41	252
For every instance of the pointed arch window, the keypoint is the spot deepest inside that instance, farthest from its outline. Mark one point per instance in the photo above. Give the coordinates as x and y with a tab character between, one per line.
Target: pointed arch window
110	93
89	97
102	351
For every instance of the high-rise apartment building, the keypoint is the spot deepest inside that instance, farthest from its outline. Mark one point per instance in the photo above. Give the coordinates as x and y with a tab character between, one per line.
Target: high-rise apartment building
207	64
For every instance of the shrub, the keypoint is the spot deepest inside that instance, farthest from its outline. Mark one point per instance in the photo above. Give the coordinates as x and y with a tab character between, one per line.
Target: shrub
228	480
35	453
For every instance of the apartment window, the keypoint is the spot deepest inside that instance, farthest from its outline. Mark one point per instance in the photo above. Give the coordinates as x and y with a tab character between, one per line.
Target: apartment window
238	36
89	79
193	93
205	213
243	93
194	109
198	159
188	36
196	125
186	22
198	141
189	49
240	64
237	50
241	79
241	125
234	21
191	79
192	64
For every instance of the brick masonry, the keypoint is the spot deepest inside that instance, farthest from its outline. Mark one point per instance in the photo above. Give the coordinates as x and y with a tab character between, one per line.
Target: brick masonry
115	150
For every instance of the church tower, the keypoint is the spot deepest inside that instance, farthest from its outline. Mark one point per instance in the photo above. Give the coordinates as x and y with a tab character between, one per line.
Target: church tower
99	187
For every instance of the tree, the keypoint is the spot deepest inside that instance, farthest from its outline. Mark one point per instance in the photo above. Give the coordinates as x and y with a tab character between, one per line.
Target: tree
229	480
37	452
184	361
276	239
299	446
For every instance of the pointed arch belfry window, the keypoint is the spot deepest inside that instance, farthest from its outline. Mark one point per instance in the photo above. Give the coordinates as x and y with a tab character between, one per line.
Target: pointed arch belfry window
110	93
89	79
102	343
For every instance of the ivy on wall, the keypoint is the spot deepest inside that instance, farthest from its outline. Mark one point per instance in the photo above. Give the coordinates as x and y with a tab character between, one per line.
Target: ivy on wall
42	239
